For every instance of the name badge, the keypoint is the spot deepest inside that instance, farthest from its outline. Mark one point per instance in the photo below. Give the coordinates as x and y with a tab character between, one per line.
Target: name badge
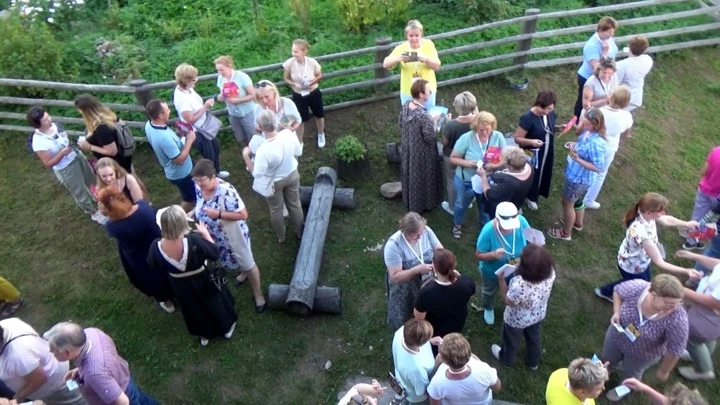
632	332
514	262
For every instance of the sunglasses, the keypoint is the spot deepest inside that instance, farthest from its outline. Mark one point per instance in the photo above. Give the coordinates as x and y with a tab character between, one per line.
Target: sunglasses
507	217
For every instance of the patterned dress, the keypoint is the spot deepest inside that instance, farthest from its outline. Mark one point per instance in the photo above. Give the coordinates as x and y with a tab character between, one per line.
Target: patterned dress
226	198
420	172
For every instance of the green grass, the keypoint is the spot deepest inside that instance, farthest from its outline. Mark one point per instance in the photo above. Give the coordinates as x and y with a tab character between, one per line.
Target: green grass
68	269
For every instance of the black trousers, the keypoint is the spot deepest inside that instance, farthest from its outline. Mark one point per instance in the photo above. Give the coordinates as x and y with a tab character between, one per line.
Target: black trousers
209	149
510	338
578	104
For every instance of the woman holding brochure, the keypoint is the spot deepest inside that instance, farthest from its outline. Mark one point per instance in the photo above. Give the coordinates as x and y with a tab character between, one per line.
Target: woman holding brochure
498	247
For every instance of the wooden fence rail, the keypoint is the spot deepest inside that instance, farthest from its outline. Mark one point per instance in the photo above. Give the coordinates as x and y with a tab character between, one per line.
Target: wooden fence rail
382	78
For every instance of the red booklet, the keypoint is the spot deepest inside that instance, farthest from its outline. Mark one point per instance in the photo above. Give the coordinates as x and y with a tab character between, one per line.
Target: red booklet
705	232
230	90
493	155
183	127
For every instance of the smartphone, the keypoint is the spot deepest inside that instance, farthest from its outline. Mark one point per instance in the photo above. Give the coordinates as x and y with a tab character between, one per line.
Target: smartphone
394	384
413	57
622	390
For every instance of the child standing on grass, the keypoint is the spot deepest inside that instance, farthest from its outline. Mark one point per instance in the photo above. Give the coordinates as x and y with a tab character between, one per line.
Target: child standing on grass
707	192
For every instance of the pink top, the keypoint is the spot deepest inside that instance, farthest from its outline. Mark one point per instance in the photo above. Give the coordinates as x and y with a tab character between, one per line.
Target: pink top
710	183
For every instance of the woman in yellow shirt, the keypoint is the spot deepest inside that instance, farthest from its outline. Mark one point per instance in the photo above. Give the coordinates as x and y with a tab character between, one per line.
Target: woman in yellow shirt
418	59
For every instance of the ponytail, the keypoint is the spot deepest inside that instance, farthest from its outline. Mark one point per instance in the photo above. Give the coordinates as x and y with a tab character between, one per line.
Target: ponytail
631	215
445	263
649	202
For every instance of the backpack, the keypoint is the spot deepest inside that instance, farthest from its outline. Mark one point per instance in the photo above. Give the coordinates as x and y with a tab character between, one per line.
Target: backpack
125	140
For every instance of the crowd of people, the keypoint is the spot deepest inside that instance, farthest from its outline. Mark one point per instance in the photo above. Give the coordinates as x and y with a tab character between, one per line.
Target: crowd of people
427	298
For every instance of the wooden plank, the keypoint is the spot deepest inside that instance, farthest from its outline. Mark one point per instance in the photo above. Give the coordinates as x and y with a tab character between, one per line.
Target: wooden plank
102	88
64	103
479	76
607	9
702	4
65	120
485	44
359	85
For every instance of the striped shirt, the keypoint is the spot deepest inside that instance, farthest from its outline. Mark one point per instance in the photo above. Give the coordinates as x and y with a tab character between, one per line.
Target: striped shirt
590	148
631	72
103	374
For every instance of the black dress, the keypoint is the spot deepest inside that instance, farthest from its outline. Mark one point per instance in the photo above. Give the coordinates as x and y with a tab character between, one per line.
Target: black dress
537	129
134	236
105	135
208	313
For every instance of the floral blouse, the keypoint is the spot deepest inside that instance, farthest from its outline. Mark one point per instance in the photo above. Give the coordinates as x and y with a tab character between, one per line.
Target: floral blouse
632	257
226	198
530	301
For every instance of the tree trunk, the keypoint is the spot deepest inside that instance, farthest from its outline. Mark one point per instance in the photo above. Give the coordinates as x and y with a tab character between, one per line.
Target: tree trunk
328	300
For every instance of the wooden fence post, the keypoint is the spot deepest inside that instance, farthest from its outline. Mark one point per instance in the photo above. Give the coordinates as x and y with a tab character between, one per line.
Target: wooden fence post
380	55
142	96
527	27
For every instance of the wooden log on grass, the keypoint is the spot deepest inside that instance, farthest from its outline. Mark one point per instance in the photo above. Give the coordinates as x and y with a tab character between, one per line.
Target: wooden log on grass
327	300
344	197
301	295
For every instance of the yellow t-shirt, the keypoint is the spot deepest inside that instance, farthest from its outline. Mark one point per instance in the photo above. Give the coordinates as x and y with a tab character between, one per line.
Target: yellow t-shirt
558	392
408	70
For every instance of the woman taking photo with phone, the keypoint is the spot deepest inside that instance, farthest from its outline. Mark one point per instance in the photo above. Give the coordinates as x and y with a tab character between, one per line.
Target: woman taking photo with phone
102	137
418	59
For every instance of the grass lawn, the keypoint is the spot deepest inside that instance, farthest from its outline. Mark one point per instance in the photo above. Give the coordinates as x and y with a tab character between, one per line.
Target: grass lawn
68	269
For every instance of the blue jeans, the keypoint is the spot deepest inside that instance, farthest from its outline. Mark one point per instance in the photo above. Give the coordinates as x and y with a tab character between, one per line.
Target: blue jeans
607	290
464	195
137	397
713	250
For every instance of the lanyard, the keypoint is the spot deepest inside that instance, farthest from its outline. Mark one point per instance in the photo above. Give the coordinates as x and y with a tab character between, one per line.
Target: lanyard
305	65
419	242
603	86
546	126
640	315
505	242
278	105
483	149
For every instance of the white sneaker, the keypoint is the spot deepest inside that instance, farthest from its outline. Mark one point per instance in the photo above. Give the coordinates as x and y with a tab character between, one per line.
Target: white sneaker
446	206
168	308
321	140
532	205
99	218
286	213
489	316
223	174
692	375
204	342
592	205
229	333
496	349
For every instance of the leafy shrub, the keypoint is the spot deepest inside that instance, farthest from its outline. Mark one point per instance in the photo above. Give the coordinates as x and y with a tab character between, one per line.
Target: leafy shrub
301	10
29	50
349	149
360	14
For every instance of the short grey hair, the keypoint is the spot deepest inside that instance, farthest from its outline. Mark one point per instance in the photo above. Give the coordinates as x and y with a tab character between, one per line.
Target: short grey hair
414	25
585	374
66	335
266	121
514	157
465	103
174	223
412	222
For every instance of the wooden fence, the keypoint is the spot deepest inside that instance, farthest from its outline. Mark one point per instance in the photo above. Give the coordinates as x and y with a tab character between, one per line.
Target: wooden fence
527	34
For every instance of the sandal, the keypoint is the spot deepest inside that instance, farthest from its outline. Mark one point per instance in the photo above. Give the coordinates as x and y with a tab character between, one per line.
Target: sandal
12	307
457	231
575	227
557	233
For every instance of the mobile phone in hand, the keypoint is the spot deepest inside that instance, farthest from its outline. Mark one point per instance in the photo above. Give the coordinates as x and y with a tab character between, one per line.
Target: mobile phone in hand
394	384
413	57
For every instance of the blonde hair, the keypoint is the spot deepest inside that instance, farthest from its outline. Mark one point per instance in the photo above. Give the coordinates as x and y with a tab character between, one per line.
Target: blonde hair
411	222
414	25
94	113
667	286
112	163
620	97
265	84
586	374
514	157
184	74
226	60
484	118
679	394
465	103
455	350
417	332
302	43
173	223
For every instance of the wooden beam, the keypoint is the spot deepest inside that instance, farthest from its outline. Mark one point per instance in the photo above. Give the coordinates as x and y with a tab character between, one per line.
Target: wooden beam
64	103
101	88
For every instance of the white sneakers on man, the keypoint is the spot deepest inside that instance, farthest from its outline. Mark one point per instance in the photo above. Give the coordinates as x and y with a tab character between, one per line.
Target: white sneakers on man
321	140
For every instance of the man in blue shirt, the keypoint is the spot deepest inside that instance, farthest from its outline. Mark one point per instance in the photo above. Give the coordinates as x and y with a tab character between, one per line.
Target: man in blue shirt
600	45
171	152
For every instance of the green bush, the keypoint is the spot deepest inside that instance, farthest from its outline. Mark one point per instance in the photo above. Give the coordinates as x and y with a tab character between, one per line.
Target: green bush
349	149
301	10
29	50
361	14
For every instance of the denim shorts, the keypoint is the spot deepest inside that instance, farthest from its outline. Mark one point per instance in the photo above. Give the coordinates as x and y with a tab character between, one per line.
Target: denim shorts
574	191
186	187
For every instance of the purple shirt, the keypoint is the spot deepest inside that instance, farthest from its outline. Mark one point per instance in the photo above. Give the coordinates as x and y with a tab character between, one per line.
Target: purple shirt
666	335
103	374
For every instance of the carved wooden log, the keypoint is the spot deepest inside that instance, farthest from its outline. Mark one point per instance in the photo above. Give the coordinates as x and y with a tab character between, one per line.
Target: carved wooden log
344	197
301	295
328	300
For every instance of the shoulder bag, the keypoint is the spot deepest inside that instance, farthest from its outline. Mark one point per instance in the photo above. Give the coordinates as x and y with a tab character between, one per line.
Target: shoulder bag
704	323
210	127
